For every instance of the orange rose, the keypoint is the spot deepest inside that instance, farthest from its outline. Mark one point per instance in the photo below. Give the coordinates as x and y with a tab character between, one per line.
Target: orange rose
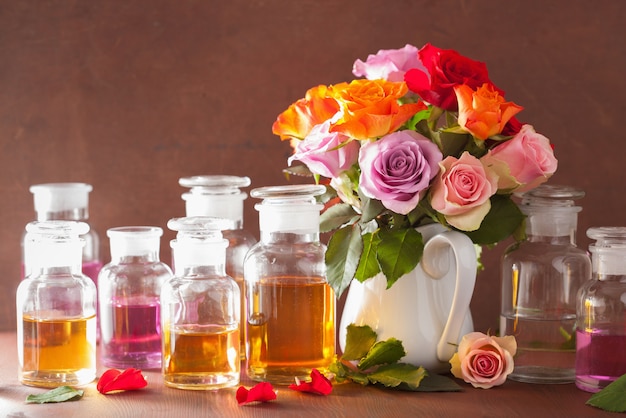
483	112
298	120
370	108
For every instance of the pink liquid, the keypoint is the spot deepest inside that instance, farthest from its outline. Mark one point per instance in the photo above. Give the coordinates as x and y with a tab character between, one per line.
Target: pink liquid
600	359
131	335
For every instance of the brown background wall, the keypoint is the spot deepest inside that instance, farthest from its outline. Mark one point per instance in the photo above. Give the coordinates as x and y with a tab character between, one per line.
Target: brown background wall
130	96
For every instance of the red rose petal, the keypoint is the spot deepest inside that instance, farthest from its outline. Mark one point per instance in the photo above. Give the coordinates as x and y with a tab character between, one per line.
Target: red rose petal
319	384
261	392
114	380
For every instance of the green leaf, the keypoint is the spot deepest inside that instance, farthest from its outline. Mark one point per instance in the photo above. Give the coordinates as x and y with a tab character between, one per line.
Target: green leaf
297	170
453	143
502	220
359	341
370	208
435	383
612	398
342	257
392	375
368	263
383	352
60	394
336	216
399	252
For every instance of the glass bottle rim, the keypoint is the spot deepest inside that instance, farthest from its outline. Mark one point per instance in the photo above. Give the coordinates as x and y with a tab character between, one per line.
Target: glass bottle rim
288	191
607	234
57	229
135	231
215	184
199	224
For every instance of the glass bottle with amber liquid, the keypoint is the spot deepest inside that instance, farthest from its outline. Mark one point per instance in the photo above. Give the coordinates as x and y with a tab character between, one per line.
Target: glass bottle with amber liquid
290	324
220	196
200	310
56	308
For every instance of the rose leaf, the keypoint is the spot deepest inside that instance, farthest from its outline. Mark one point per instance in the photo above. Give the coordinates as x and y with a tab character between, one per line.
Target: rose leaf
392	375
342	257
399	252
612	398
60	394
383	352
359	341
336	216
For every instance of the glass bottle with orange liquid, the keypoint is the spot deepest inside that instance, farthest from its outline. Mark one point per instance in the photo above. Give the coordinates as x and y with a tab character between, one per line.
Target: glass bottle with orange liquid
290	324
200	310
220	196
56	308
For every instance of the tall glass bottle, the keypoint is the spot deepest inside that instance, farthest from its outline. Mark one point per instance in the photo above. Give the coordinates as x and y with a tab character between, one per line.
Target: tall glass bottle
129	290
601	331
540	279
220	196
200	310
290	305
56	308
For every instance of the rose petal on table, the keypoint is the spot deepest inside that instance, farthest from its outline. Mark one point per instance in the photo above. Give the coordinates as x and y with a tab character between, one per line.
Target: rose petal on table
114	380
319	384
261	392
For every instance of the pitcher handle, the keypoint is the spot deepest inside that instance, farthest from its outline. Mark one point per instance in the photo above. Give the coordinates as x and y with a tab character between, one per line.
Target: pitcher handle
465	279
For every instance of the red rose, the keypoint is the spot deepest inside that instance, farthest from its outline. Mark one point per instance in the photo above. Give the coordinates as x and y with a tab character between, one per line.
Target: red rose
446	69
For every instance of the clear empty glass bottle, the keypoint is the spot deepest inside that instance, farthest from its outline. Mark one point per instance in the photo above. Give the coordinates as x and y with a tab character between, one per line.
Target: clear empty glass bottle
290	305
200	310
220	196
601	331
129	290
56	308
540	279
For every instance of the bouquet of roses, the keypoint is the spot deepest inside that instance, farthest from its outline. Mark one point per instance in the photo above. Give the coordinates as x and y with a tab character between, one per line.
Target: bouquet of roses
425	137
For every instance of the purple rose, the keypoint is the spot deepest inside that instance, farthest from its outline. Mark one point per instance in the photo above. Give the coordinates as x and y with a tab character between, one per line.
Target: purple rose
326	153
389	64
397	169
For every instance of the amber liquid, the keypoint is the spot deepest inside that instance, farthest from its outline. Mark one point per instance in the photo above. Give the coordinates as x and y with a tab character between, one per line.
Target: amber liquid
58	352
290	328
201	357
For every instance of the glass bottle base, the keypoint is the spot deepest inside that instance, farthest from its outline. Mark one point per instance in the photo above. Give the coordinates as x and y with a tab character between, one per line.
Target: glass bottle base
283	375
540	374
56	378
201	381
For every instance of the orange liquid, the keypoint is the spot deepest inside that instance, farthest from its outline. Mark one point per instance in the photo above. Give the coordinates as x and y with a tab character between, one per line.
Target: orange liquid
290	328
58	352
201	357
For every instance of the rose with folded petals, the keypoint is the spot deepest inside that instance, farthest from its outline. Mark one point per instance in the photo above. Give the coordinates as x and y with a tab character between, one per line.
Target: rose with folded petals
462	190
446	68
326	153
299	119
370	108
397	169
483	112
388	64
522	163
482	360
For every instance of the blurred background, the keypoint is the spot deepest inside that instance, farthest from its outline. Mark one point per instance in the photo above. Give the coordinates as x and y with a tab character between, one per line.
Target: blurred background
129	96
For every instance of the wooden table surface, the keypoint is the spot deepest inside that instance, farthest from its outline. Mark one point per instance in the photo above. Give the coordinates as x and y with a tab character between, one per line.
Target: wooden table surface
347	400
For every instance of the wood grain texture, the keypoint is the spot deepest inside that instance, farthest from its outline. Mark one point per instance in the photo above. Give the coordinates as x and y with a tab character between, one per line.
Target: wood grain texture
130	96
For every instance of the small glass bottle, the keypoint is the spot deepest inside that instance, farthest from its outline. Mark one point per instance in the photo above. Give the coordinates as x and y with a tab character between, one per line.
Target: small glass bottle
540	279
200	310
220	196
69	201
129	290
290	305
56	308
601	331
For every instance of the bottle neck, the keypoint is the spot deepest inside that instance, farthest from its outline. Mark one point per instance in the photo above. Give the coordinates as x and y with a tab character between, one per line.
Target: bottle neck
136	259
608	263
199	271
289	237
54	259
199	256
555	227
76	214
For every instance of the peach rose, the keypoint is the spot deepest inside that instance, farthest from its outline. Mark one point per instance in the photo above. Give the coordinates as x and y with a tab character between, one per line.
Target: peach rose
483	112
370	108
482	360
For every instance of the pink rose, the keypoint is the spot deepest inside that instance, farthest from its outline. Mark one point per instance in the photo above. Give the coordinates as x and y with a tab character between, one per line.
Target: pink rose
326	153
462	190
482	360
388	64
523	162
397	169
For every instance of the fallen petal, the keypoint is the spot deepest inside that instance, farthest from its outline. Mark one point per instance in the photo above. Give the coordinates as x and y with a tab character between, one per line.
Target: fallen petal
261	392
319	384
114	380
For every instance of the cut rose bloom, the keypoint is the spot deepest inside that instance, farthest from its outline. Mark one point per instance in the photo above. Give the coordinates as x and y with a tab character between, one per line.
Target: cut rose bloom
388	64
446	68
326	153
482	360
116	380
462	190
483	112
261	392
318	385
298	120
370	108
522	163
397	169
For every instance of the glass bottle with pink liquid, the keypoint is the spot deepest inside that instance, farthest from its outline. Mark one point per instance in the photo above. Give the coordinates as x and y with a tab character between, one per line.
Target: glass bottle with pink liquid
129	288
56	309
200	310
601	324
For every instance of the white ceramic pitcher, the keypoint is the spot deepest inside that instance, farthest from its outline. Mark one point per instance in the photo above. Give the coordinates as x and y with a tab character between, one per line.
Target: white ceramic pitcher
428	308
